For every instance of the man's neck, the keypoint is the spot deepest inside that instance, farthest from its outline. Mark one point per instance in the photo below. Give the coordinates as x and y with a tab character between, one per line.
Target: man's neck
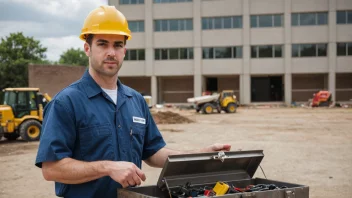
105	82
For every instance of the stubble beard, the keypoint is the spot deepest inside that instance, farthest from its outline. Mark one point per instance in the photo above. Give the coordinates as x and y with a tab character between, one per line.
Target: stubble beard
100	70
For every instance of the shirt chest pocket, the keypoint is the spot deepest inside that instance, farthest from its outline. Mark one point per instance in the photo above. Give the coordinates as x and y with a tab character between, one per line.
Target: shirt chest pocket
96	142
137	134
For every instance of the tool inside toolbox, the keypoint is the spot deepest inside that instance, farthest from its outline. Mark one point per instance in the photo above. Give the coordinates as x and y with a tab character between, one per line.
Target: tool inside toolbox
220	188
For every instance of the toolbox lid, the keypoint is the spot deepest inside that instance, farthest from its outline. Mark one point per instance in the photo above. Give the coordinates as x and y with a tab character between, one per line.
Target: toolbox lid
202	168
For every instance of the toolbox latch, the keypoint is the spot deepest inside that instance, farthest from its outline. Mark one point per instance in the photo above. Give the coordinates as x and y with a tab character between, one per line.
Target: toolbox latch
221	156
290	194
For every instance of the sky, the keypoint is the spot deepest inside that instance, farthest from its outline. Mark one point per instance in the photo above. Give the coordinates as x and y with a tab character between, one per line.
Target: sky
55	23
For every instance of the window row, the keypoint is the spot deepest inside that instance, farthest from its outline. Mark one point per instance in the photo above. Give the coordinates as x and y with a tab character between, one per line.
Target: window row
309	50
257	21
135	54
131	1
257	51
266	51
344	49
209	23
344	17
173	25
173	53
171	1
314	18
136	26
222	52
271	20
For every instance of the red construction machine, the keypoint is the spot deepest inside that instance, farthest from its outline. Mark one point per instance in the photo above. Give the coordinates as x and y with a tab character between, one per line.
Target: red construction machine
321	99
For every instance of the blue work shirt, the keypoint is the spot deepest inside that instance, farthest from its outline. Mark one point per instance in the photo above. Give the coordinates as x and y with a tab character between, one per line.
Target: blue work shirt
83	123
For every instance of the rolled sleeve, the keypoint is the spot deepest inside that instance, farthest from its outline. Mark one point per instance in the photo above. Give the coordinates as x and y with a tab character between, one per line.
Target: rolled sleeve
58	133
153	138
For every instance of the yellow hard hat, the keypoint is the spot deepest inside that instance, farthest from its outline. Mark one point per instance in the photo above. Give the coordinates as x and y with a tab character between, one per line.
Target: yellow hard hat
105	20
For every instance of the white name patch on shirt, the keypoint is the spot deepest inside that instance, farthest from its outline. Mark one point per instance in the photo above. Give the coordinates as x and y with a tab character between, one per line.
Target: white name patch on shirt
138	120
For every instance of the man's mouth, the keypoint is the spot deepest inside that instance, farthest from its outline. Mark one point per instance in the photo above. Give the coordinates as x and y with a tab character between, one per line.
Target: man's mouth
110	62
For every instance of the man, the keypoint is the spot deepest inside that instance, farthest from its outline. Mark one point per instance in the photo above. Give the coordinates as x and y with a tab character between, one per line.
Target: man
97	131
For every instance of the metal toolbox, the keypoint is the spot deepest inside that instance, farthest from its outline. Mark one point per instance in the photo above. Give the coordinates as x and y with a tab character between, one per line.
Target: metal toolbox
235	168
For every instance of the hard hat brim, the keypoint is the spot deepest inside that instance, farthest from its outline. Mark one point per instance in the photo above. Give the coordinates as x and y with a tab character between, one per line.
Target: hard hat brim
82	36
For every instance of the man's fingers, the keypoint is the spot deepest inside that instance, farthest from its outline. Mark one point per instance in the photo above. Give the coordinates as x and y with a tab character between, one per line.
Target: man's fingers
140	174
221	147
136	179
227	147
131	182
124	184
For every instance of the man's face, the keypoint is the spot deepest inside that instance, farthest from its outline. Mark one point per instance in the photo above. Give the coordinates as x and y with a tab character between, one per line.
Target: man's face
106	54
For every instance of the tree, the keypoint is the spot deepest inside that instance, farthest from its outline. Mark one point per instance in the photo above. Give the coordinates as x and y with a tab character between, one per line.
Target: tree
74	57
16	52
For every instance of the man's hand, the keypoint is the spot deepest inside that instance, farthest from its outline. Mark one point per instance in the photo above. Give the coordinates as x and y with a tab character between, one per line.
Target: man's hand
216	147
126	173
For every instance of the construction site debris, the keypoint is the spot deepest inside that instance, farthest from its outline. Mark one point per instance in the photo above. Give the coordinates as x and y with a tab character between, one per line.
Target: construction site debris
169	117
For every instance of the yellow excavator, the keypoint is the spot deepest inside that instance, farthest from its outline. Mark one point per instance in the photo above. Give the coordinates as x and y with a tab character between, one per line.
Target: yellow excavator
226	101
21	113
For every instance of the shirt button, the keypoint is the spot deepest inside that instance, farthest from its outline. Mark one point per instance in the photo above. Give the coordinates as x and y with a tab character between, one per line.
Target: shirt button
119	126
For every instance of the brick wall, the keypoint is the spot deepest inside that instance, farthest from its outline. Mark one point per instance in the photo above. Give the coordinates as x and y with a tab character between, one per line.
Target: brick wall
53	78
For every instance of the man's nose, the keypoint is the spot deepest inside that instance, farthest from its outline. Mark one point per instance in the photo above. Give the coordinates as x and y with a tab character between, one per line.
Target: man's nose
111	51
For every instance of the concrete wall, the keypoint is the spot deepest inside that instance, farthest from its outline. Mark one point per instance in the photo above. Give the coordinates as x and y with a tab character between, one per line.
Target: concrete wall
267	66
132	68
172	10
221	8
221	66
310	5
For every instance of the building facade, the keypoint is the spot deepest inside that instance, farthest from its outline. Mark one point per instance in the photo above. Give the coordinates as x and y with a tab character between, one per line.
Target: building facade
265	50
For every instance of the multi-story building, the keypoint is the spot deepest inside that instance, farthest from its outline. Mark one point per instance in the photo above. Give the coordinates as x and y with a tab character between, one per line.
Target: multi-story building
265	50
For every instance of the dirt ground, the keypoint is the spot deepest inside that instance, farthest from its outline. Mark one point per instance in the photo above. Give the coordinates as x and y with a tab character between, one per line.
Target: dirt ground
303	146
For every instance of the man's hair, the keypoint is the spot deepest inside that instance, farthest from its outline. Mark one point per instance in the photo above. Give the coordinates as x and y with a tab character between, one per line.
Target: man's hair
89	39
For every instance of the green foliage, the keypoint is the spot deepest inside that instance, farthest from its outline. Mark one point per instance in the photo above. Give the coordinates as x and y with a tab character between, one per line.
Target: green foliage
16	52
74	57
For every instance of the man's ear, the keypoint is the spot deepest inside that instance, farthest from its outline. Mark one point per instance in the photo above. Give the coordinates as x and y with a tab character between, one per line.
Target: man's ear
86	49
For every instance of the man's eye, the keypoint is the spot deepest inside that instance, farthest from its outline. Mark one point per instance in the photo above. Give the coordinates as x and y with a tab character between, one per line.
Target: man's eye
119	45
101	44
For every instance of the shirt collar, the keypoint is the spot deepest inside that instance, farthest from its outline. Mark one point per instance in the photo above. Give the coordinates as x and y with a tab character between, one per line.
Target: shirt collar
92	88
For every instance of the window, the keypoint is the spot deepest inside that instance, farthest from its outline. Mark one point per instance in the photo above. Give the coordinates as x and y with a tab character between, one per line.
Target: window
266	51
136	26
309	50
314	18
209	23
344	49
171	1
131	1
272	20
135	54
222	52
173	25
344	17
173	53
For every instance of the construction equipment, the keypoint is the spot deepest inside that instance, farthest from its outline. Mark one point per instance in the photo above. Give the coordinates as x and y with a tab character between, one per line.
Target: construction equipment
21	113
321	99
226	101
